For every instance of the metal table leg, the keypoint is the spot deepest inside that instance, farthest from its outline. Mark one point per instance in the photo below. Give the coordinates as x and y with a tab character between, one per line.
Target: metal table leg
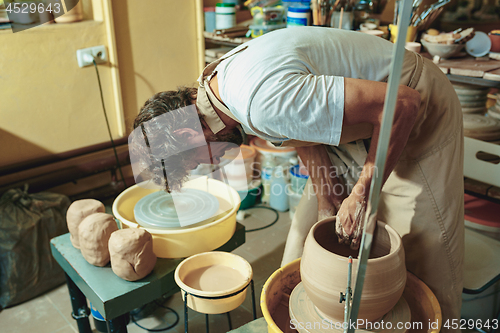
229	321
79	304
185	314
118	324
186	294
254	310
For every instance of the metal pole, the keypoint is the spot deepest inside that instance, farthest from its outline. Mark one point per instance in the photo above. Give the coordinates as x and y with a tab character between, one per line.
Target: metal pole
185	313
380	158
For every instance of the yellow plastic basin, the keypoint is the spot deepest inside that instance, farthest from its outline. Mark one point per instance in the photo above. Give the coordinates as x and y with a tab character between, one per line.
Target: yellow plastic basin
214	275
190	240
275	295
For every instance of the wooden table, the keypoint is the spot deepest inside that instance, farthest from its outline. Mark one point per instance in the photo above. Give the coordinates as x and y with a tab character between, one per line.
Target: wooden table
112	296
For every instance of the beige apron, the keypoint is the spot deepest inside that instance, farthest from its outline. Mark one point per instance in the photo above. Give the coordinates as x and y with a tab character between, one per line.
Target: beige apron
205	97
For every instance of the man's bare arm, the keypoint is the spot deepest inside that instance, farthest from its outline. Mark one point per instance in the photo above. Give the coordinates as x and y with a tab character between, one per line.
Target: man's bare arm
364	102
330	191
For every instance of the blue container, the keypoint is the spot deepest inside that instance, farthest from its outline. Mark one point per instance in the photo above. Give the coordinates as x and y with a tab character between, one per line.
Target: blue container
250	198
99	321
297	180
298	16
279	196
209	19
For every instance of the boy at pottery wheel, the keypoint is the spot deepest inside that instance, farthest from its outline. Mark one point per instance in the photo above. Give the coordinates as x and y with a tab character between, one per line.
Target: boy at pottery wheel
322	91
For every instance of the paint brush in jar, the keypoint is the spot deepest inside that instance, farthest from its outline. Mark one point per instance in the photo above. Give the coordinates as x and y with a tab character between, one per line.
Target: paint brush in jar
330	13
314	9
341	16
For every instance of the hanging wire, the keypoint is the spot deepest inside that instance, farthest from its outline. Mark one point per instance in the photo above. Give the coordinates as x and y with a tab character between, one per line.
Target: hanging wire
107	124
157	329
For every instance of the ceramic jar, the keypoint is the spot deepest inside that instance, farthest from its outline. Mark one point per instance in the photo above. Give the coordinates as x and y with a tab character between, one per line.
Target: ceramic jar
323	271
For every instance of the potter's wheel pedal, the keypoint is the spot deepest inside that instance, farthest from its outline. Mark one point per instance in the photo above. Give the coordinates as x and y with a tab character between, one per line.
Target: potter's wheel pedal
173	210
303	311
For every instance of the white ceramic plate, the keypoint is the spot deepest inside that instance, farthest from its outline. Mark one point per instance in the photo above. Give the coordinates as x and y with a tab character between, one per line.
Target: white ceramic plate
302	310
473	104
162	210
472	98
494	113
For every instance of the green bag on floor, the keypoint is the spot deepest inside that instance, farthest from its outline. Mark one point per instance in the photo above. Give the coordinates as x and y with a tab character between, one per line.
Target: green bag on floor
27	223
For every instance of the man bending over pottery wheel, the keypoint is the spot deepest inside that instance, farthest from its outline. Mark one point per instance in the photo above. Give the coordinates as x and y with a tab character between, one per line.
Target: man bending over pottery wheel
322	90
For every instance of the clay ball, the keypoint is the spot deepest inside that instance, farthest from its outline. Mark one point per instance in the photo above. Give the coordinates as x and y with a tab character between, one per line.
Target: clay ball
131	251
79	210
93	235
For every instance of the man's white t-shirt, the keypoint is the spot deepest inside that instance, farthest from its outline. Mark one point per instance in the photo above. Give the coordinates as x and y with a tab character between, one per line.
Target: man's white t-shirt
289	83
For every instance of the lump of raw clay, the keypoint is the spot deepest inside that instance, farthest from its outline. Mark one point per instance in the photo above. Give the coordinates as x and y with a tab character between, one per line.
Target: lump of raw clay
132	256
93	235
77	211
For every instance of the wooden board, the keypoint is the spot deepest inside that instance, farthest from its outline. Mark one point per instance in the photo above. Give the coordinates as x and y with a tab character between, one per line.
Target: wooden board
492	75
494	192
469	66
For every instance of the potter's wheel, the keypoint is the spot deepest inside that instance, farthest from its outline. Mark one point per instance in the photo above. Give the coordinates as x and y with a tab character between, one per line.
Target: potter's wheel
302	310
173	210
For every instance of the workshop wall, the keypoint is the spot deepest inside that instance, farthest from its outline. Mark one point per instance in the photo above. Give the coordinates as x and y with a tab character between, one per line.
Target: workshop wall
49	105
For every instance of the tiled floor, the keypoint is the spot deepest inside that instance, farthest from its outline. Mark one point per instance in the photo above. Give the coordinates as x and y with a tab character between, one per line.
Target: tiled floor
51	312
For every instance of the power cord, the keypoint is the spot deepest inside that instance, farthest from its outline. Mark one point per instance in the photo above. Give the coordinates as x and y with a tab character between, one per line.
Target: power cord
268	225
132	314
107	123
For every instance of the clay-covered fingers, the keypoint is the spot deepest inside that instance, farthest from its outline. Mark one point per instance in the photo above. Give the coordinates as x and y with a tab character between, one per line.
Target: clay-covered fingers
349	226
343	237
358	231
342	227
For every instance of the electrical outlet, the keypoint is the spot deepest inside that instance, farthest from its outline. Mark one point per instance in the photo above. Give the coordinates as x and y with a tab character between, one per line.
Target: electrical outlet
85	56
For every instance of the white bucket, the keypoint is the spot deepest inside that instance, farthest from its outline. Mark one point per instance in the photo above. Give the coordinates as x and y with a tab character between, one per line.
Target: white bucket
238	164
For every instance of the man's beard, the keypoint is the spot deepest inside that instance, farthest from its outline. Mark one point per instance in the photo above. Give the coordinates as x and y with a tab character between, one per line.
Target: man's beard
234	137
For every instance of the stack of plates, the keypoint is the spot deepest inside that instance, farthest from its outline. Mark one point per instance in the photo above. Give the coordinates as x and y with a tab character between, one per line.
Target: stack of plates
472	98
482	128
494	111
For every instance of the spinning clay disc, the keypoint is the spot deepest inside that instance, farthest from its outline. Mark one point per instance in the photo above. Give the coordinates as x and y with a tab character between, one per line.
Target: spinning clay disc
303	311
173	210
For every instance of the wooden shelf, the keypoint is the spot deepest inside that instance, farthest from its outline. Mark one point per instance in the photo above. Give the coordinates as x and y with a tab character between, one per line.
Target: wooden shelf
216	39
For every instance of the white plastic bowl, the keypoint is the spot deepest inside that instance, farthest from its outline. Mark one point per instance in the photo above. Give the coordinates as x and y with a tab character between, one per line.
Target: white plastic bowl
442	50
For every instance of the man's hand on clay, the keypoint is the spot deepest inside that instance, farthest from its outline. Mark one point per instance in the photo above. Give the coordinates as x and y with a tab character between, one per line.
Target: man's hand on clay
350	220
